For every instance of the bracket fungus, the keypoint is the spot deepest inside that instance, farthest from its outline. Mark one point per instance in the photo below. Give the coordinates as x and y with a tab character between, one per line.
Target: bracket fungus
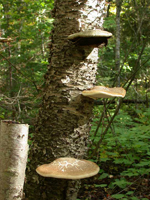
104	92
92	38
68	168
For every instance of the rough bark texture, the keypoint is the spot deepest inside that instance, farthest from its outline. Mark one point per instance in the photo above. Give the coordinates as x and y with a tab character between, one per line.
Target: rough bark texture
64	118
13	159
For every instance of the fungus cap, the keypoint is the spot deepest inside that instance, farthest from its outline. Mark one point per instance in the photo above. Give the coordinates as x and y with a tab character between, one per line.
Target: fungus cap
68	168
104	92
90	33
91	38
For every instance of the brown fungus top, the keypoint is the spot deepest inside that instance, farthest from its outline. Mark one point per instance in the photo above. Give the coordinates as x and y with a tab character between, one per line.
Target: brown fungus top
68	168
90	37
104	92
90	33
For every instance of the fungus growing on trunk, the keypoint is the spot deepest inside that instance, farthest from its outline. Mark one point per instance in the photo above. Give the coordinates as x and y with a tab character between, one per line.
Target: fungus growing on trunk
92	38
104	92
68	168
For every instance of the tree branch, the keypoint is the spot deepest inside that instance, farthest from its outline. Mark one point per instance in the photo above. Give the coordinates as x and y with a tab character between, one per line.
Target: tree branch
31	81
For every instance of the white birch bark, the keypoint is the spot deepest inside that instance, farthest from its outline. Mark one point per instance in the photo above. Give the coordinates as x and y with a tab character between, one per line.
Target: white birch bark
13	158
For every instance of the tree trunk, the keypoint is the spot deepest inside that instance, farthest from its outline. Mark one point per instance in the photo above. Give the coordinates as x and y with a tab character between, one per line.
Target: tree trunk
118	29
13	159
63	123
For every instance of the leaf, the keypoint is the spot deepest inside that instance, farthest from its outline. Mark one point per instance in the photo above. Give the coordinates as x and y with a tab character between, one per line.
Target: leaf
104	159
118	196
104	175
144	199
42	4
122	183
134	198
143	163
129	192
101	185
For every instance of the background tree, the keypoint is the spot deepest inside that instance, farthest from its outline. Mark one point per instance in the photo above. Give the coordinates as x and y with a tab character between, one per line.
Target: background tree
23	63
118	32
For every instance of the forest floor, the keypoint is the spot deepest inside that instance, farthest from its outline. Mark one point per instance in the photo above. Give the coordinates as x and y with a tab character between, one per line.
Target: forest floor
94	189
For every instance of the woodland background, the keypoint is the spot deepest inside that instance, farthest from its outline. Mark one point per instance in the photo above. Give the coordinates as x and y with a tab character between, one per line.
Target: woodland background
120	143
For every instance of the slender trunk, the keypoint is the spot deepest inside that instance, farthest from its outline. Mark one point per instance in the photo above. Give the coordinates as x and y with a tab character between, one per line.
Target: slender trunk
118	30
13	158
10	73
42	45
63	123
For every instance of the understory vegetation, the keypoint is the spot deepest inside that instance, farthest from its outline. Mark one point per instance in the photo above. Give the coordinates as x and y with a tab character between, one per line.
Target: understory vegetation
123	155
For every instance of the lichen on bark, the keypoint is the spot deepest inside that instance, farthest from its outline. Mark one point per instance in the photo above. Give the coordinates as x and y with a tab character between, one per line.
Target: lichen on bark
64	118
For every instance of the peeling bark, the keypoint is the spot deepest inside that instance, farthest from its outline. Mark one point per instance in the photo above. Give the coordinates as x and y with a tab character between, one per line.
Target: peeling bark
63	123
13	158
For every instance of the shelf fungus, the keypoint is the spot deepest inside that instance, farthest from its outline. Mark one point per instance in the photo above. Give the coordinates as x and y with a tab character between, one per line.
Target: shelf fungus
93	38
68	168
104	92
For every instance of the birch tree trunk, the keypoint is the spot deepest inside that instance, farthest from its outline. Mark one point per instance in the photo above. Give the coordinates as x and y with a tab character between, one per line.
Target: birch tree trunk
13	159
63	123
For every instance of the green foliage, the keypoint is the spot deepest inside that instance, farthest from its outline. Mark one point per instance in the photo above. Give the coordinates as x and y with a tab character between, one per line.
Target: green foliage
124	153
135	32
24	60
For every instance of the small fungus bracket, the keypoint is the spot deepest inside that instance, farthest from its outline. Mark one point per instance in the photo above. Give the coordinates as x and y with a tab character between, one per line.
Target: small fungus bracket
104	92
